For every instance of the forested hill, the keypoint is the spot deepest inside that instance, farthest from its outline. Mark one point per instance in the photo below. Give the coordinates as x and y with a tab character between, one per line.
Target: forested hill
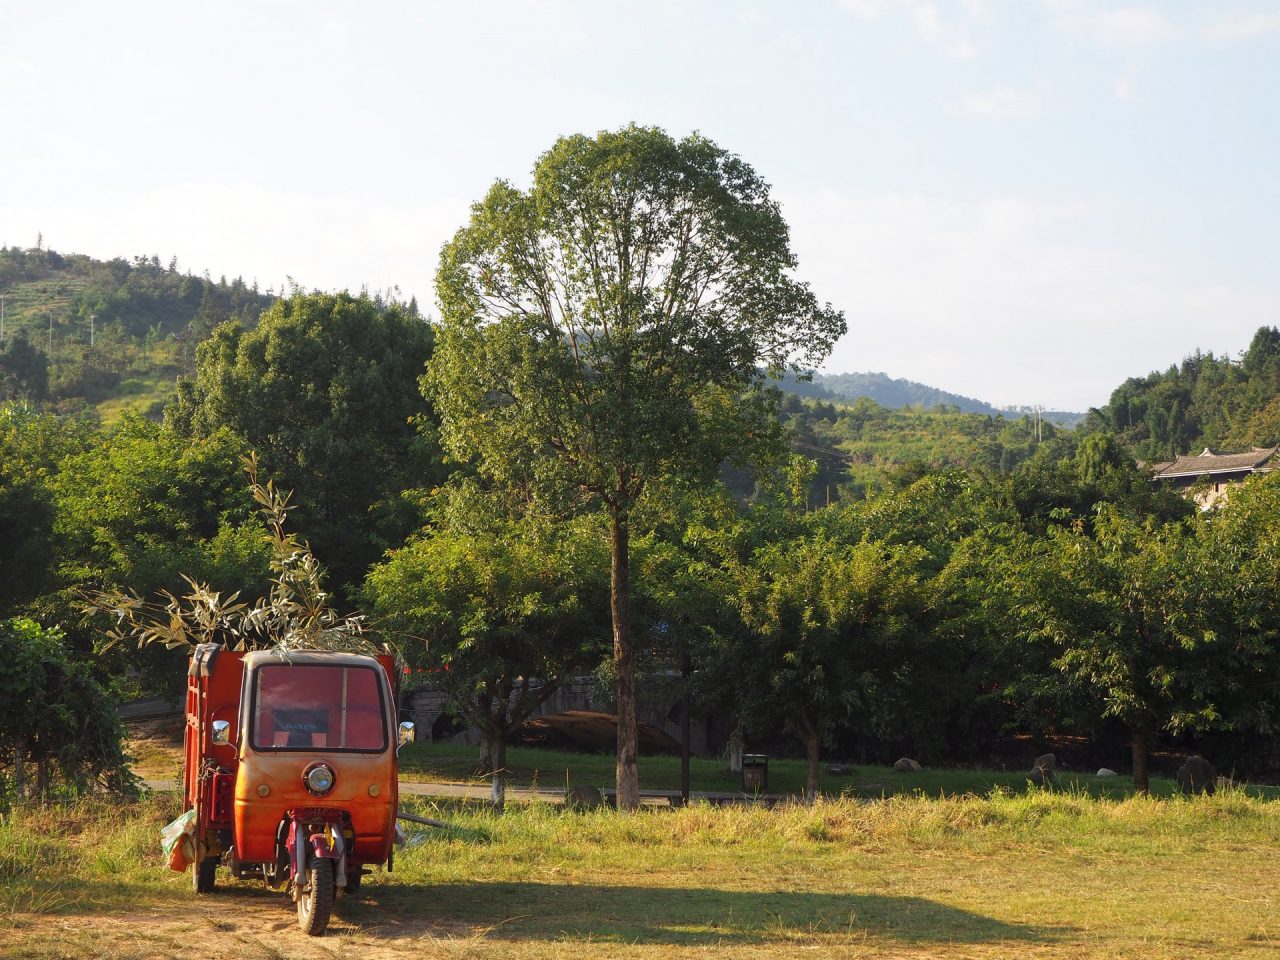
898	393
1204	401
114	334
145	319
860	446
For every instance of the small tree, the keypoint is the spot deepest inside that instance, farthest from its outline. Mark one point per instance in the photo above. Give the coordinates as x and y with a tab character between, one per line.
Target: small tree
296	614
824	621
600	331
1128	610
55	719
499	612
24	370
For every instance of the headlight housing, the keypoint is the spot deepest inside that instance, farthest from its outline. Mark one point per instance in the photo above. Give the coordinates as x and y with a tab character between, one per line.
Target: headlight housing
319	779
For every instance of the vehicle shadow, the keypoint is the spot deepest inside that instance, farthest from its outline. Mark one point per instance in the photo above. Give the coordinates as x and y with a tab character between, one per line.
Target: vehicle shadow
678	916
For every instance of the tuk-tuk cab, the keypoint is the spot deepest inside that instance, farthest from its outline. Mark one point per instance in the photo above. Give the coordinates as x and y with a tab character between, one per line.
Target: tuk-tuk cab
291	770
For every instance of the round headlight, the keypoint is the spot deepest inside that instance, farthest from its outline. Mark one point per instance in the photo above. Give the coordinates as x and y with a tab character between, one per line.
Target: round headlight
319	778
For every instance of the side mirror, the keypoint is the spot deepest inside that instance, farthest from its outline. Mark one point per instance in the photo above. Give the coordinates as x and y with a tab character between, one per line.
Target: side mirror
221	732
407	734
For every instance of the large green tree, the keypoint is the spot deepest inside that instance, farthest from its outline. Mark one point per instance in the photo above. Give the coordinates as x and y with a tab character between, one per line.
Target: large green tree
611	327
325	390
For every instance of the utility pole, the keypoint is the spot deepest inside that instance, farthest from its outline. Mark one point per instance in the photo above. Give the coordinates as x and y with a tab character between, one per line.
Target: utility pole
49	352
1	316
92	317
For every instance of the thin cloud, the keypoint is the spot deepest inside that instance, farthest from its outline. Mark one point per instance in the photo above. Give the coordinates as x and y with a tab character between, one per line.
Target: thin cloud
866	9
16	68
1002	103
1125	89
1244	27
935	29
1118	27
929	25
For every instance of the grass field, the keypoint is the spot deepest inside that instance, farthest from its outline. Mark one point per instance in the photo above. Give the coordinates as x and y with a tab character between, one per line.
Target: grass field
1034	875
157	749
141	394
550	769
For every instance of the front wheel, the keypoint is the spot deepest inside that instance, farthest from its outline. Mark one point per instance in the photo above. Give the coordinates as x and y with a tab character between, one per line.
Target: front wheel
315	905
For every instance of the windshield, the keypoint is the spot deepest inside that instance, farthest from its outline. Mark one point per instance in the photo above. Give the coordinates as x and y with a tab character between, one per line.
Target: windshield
318	707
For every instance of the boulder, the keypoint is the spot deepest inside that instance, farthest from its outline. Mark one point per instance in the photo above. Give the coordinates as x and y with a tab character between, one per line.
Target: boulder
839	769
1107	772
1042	771
1197	776
907	765
583	798
1040	777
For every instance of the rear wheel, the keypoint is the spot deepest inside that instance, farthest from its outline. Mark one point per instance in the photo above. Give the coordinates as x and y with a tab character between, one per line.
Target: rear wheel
315	905
203	873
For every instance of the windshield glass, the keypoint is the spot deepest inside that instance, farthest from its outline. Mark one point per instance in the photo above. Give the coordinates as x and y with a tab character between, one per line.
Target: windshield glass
318	707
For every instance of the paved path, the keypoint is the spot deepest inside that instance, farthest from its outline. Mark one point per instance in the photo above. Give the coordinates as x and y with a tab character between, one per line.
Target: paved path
517	794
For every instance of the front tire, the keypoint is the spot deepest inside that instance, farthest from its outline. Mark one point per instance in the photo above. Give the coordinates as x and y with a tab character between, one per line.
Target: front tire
316	904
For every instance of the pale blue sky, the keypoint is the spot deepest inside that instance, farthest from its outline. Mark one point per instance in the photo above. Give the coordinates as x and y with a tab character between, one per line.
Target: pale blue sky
1024	201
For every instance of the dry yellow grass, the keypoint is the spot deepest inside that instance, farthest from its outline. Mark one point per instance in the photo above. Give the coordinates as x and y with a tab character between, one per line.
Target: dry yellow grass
1000	876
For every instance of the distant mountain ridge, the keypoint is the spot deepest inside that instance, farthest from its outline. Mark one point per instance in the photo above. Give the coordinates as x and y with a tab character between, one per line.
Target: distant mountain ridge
898	393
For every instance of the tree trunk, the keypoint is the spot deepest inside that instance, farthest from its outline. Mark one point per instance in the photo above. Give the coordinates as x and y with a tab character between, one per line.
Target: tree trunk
484	716
686	668
19	768
1141	751
813	747
736	748
628	773
498	759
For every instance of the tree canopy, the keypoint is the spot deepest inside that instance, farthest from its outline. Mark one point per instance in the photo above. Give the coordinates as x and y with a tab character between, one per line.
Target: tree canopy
325	390
498	609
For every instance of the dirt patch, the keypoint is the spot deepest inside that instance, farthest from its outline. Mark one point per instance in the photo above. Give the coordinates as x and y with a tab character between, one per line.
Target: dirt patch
227	927
168	730
156	747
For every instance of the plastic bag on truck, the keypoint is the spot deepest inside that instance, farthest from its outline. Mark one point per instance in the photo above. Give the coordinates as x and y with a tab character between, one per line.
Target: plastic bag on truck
178	841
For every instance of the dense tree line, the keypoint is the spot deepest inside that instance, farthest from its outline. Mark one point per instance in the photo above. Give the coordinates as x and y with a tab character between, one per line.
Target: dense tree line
584	466
934	616
861	446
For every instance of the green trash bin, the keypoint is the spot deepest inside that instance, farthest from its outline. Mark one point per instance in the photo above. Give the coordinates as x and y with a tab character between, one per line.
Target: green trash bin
755	772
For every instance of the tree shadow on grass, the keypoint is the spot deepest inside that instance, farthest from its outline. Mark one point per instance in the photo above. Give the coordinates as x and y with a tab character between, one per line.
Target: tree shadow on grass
532	912
679	916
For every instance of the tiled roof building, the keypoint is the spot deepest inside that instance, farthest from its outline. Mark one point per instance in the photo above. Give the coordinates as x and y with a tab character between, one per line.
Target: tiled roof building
1216	470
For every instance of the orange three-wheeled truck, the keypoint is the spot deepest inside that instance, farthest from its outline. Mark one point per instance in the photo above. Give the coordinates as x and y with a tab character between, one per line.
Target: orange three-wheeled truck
290	771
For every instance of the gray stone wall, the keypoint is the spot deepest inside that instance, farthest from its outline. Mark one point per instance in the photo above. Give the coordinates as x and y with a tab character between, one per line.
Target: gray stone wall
426	706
